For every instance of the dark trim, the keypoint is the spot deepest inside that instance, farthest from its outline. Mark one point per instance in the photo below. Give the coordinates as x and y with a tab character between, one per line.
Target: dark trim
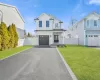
60	22
52	30
36	19
51	19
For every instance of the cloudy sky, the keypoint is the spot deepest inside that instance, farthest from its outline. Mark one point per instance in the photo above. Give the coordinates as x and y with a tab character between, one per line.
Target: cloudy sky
62	9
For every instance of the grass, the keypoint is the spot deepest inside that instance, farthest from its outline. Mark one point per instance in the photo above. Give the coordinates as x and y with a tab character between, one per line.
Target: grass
7	53
84	61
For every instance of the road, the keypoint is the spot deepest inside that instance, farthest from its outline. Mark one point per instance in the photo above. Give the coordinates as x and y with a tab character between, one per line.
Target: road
34	64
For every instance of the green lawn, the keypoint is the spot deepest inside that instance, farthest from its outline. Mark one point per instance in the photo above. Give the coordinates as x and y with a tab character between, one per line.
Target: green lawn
84	61
7	53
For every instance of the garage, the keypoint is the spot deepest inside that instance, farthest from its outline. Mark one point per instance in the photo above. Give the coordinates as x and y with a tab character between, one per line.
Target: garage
93	40
43	39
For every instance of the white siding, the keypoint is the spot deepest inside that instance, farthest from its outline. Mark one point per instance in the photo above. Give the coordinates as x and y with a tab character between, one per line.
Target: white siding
10	16
44	17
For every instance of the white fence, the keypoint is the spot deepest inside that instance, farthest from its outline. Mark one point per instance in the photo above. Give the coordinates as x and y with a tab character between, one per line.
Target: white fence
20	42
72	41
30	41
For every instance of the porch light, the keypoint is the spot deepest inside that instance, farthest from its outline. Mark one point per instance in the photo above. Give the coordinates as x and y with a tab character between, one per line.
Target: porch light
60	22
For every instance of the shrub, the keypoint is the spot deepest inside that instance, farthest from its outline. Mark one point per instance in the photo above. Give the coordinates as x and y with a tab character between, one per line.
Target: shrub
15	35
11	34
0	42
4	36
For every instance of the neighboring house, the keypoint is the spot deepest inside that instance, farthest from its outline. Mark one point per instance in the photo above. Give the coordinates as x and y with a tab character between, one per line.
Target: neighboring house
10	14
48	30
87	30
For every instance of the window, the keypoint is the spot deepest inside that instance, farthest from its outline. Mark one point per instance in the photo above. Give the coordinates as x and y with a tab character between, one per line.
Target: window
95	35
87	22
47	23
56	25
56	38
95	22
40	23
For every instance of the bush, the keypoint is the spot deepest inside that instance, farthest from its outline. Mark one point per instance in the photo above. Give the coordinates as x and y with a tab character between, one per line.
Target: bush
11	34
15	35
4	36
0	42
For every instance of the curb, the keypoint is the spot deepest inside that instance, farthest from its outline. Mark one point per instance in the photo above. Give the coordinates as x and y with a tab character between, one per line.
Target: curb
14	54
67	66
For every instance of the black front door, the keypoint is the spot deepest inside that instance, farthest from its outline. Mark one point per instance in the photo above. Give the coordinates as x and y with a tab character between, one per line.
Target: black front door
43	40
56	38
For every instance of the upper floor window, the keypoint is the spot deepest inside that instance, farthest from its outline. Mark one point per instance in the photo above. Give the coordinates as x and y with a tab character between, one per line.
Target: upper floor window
87	22
40	23
47	23
95	22
56	25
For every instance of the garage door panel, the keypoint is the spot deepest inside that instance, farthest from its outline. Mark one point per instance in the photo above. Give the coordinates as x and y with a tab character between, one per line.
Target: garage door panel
93	40
43	40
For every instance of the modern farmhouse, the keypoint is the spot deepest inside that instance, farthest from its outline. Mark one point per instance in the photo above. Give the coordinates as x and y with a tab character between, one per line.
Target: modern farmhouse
86	31
48	30
10	14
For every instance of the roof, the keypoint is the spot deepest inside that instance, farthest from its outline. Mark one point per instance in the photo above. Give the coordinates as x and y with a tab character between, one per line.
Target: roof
51	17
84	18
13	7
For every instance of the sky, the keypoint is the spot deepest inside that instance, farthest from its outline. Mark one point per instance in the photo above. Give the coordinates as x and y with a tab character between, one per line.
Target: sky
62	9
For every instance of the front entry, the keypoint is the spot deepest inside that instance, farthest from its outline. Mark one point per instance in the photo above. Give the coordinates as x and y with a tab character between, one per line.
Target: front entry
44	40
56	38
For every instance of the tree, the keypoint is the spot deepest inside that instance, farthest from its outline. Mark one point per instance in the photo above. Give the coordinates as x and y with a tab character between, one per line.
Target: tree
9	44
25	34
15	35
4	36
29	35
0	42
11	34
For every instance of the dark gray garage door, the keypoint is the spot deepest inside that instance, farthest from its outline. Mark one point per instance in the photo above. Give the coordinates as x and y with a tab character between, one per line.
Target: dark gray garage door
43	40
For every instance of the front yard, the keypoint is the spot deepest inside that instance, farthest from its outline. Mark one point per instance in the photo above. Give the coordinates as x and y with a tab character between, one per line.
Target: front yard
84	61
7	53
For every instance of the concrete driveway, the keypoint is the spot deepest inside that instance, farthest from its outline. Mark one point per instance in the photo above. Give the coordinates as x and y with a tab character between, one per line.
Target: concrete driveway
34	64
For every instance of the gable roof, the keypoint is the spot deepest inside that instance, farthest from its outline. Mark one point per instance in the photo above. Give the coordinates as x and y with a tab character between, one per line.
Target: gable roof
15	9
85	18
51	16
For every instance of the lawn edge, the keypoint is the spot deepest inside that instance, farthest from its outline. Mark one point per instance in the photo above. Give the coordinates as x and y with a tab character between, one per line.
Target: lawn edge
67	66
14	54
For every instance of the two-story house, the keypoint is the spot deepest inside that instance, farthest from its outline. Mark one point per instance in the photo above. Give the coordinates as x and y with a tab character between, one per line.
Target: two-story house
48	30
86	30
